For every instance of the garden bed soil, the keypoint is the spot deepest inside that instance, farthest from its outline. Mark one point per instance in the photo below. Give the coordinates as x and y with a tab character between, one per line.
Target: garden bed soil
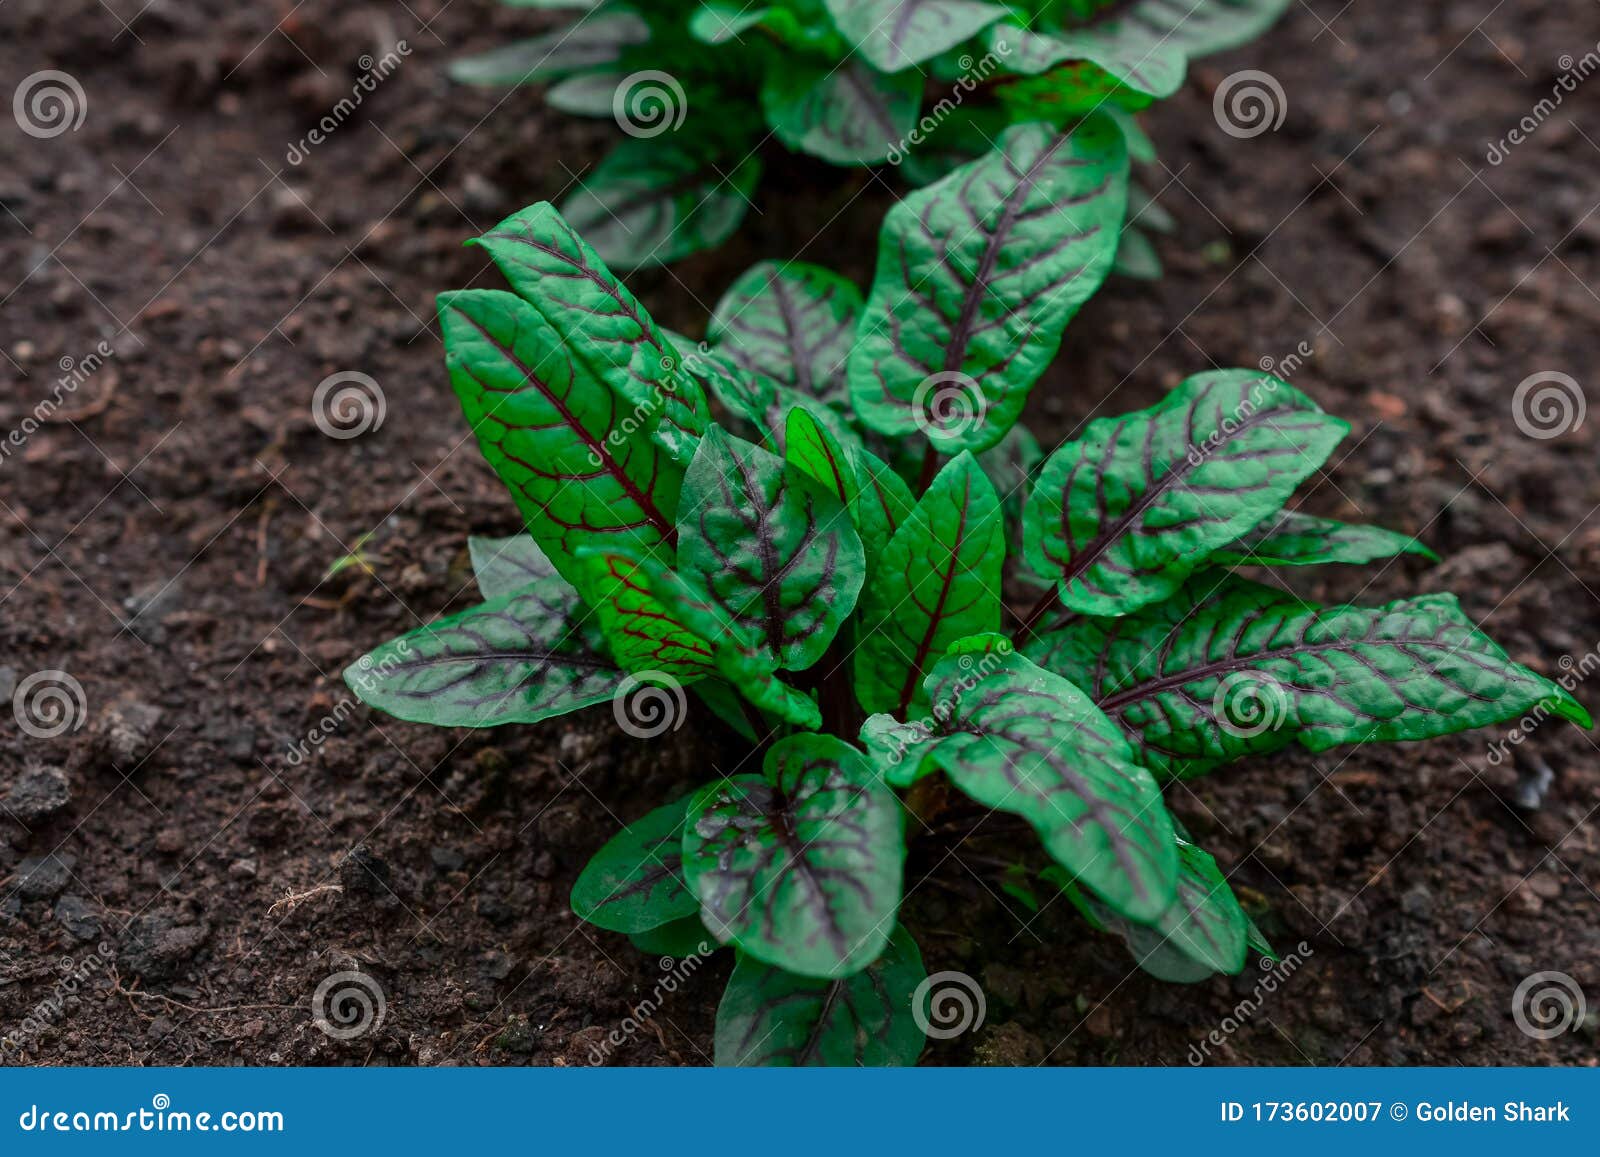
167	539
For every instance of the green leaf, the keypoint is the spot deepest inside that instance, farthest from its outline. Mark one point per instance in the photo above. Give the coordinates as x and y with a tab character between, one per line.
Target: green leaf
1124	515
811	448
639	630
1148	44
504	565
1232	668
518	658
1204	932
800	867
847	114
547	424
679	939
719	21
652	202
938	582
977	278
1020	739
751	668
774	1018
883	502
897	34
764	404
592	42
1292	539
794	323
613	337
775	551
589	94
1137	257
635	882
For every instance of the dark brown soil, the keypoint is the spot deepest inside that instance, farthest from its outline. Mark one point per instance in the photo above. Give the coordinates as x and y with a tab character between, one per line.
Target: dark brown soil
165	541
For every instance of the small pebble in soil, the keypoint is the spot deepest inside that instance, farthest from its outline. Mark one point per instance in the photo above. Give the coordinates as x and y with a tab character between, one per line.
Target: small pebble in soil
40	877
362	873
126	733
75	915
1009	1045
1534	777
37	794
157	944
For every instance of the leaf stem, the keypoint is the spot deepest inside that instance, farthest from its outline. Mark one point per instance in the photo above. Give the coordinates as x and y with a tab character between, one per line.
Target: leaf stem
1050	601
930	467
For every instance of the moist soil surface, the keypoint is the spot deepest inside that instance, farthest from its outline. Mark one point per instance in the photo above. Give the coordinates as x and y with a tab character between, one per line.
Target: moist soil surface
222	829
